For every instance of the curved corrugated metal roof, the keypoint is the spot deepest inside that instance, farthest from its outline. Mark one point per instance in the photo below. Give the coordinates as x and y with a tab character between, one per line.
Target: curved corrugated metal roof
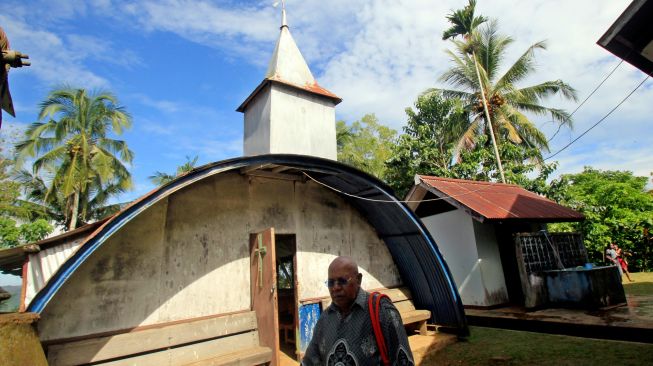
415	253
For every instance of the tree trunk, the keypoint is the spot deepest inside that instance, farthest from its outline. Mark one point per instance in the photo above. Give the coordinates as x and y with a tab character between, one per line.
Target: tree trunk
75	210
489	121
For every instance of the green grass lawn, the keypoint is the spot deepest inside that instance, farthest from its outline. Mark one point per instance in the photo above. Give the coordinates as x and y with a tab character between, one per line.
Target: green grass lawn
643	284
489	346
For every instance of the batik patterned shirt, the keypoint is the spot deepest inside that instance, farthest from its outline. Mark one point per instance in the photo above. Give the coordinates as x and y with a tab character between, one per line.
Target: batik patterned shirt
350	341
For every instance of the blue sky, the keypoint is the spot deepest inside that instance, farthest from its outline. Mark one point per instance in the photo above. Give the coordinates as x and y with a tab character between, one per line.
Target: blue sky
182	67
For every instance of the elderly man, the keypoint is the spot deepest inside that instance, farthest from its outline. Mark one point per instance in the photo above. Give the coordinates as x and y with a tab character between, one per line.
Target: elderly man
344	334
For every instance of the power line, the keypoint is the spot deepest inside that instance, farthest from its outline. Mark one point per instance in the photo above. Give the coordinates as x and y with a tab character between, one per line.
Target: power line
389	201
588	97
599	121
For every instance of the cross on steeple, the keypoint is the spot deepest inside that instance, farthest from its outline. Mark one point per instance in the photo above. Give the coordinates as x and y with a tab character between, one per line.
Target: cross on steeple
284	23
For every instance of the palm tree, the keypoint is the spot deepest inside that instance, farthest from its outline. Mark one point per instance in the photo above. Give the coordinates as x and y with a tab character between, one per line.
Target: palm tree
495	103
161	178
344	134
464	23
83	166
40	202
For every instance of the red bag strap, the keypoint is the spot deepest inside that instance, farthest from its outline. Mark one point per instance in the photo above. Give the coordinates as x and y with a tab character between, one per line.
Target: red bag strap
374	305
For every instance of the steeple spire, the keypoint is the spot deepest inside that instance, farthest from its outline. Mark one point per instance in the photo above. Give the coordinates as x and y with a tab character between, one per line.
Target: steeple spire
287	62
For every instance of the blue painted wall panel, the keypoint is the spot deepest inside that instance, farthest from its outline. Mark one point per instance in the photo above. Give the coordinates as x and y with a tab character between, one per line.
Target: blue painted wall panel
308	316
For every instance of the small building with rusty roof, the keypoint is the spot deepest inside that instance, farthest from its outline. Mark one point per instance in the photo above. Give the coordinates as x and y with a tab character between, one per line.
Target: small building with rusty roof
474	224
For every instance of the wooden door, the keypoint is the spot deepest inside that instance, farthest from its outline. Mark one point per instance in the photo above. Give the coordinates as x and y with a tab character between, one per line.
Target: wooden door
263	272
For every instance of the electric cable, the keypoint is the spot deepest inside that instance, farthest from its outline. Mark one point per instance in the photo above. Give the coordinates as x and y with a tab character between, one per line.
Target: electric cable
389	201
599	121
588	97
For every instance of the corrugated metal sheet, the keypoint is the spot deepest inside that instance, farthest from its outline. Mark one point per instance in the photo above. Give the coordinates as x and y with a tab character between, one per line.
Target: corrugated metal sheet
415	253
13	258
44	264
497	201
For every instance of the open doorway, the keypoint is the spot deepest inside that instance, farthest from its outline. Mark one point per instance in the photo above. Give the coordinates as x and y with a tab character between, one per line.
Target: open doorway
286	258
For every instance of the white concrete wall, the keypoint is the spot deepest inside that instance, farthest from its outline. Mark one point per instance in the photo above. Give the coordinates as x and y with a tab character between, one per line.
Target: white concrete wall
256	140
453	232
302	123
496	291
188	256
285	120
471	251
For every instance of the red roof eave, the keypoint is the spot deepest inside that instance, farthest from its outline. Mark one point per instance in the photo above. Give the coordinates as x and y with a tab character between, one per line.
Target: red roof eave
497	201
314	89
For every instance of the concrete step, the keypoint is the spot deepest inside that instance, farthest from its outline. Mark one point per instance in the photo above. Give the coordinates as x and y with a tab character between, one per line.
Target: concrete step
425	345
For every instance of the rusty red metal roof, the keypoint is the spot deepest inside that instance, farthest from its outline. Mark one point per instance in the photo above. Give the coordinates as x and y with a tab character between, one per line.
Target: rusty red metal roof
313	88
310	88
496	201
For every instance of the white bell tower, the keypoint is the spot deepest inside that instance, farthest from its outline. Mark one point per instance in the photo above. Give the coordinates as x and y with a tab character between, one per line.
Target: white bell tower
289	113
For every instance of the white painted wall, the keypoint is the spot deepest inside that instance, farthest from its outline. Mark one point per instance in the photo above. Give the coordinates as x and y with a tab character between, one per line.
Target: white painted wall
188	256
256	139
472	254
453	232
496	291
285	120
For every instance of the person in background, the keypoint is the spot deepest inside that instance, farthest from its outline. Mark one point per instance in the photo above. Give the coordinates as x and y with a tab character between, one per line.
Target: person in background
622	261
611	257
344	334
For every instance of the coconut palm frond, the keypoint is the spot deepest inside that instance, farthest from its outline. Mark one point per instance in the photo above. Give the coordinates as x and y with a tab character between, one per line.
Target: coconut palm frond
527	129
543	90
463	21
491	48
523	67
467	140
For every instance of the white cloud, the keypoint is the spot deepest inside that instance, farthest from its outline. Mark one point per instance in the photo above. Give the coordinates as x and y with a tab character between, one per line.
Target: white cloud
54	60
57	54
389	62
149	126
248	31
210	149
10	134
238	30
83	47
10	280
610	156
165	106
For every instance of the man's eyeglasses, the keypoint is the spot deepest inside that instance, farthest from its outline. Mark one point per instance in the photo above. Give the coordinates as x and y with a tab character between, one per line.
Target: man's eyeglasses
330	283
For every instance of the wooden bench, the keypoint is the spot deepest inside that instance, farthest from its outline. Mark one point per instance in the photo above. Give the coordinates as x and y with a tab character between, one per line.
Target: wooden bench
402	299
222	340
